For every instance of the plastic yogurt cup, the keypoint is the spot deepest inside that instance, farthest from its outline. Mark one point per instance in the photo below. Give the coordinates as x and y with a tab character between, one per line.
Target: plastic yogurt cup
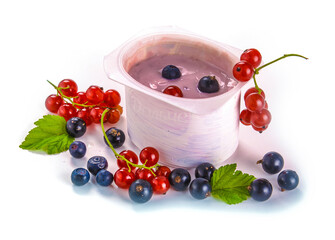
186	131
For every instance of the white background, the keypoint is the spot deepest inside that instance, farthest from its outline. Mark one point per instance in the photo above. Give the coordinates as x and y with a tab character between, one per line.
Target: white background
54	40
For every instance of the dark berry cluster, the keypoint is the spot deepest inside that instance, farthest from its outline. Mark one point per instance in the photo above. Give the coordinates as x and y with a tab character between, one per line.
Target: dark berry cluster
89	105
142	181
272	163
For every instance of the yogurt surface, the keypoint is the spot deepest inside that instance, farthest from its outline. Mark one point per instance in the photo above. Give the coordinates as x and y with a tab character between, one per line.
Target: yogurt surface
149	73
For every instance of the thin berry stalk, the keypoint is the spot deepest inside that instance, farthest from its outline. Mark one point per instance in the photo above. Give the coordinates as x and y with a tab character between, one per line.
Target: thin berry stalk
120	156
269	63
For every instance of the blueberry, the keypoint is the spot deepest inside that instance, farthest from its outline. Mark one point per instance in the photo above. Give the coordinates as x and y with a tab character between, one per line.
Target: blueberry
208	84
96	163
288	180
104	178
179	179
204	170
140	191
200	188
260	189
171	72
272	162
80	176
77	149
115	136
76	127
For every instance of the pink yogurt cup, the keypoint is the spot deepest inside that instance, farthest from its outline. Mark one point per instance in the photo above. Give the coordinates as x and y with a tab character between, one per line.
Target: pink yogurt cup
185	131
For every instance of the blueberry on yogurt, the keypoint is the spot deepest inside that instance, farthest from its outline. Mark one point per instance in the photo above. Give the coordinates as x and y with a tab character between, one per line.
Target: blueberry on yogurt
171	72
208	84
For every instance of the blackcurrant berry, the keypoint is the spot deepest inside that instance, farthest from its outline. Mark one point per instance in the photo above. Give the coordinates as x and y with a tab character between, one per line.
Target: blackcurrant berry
171	72
179	179
200	188
115	136
140	191
80	176
76	127
204	170
77	149
104	178
208	84
288	180
96	163
272	162
260	189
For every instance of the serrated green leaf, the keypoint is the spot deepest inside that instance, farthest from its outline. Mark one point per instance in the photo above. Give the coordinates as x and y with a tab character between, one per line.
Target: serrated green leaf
49	136
229	185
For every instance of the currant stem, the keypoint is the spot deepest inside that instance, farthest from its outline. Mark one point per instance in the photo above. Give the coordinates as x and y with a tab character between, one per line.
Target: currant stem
282	57
269	63
118	155
68	98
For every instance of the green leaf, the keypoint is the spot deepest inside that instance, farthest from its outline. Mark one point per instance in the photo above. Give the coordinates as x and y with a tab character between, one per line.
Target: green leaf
229	185
49	136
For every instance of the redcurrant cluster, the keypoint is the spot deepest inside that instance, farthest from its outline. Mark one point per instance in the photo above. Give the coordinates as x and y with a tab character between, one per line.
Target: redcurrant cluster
244	70
256	113
89	105
150	171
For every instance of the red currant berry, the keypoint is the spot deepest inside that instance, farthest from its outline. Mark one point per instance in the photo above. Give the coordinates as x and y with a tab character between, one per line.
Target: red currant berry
103	105
85	115
120	109
149	156
261	118
53	102
112	98
243	71
160	185
254	102
145	174
69	86
245	117
266	105
260	130
123	178
67	111
81	99
114	116
95	94
252	56
163	171
253	90
130	156
96	114
173	91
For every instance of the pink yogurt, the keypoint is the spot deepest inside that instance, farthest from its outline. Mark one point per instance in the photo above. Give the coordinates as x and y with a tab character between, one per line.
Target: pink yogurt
149	73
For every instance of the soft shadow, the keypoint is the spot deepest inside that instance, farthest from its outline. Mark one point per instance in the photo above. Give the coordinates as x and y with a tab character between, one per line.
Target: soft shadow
82	190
